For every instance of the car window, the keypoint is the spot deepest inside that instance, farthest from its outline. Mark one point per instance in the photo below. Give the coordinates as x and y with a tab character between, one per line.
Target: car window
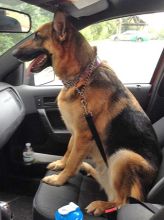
131	45
38	16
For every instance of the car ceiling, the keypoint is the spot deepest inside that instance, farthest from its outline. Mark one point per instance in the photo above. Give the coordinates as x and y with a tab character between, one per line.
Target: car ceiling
98	10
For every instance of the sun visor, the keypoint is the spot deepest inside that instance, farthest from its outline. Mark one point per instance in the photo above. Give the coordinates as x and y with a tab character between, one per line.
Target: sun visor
86	8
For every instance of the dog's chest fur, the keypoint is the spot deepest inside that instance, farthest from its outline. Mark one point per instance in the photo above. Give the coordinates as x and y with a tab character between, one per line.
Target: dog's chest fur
70	110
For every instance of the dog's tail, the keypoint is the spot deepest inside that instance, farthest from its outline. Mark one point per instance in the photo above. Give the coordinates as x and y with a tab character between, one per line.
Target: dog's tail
130	174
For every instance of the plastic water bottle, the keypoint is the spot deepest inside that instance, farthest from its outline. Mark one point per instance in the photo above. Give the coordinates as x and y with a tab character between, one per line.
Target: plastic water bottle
28	154
69	212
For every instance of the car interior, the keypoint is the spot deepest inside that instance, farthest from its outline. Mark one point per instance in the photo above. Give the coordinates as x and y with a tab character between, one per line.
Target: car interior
29	114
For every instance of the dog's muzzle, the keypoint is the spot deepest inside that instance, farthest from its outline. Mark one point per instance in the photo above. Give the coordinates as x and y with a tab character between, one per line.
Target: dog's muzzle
41	58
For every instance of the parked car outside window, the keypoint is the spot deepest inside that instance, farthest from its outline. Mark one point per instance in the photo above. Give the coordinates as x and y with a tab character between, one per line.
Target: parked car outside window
132	36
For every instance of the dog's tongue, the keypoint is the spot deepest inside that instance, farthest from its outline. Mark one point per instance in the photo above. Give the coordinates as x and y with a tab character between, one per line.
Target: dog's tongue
38	61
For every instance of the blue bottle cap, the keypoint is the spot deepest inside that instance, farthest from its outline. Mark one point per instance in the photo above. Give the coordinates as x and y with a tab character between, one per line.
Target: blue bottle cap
69	212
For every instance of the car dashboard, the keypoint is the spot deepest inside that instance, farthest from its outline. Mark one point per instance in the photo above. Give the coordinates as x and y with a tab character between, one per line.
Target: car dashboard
12	112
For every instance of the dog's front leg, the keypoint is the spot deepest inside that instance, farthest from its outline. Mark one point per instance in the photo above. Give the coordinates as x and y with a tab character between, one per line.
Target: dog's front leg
88	168
81	147
60	164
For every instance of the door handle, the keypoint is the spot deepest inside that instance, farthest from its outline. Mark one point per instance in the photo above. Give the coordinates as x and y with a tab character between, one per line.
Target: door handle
49	104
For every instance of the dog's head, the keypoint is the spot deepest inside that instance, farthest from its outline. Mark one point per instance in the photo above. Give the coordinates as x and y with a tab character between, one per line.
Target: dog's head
58	44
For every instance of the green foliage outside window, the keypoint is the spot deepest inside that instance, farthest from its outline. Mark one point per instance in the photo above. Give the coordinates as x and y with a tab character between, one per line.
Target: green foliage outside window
101	30
39	17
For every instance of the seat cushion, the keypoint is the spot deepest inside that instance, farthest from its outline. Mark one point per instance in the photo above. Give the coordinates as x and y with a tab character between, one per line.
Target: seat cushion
80	189
136	212
156	194
158	127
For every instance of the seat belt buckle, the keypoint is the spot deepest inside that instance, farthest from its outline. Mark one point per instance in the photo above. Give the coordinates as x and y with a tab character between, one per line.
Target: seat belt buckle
107	211
110	213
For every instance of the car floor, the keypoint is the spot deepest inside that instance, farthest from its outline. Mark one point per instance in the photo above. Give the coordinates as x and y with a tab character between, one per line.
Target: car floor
20	205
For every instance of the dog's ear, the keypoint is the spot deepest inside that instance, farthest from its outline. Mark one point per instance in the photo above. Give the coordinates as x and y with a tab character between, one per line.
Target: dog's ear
95	50
59	25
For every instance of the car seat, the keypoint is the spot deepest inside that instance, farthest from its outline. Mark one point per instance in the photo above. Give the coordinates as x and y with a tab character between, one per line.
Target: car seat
82	190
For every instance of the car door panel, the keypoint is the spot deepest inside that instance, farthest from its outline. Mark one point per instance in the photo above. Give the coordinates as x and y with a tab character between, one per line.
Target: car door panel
155	109
41	101
37	97
141	92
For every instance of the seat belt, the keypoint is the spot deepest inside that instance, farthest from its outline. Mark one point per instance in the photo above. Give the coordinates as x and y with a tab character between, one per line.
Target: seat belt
148	206
159	215
96	136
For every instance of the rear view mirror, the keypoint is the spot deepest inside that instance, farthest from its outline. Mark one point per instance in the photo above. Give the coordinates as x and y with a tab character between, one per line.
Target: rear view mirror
12	21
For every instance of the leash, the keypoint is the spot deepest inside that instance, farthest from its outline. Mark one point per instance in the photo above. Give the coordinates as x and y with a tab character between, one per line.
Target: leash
88	115
96	136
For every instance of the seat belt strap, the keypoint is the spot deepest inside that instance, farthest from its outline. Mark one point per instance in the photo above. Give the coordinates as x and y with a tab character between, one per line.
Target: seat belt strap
148	206
96	136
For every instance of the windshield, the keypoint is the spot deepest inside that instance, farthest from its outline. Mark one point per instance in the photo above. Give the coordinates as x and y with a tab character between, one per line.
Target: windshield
38	15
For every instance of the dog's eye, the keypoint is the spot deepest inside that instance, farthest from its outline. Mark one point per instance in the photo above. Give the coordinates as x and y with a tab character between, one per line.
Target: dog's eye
37	36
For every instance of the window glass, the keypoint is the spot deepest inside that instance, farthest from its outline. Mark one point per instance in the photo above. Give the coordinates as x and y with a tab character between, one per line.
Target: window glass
131	45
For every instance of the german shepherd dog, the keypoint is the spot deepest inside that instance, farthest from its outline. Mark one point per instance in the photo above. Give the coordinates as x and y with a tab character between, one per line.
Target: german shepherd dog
125	131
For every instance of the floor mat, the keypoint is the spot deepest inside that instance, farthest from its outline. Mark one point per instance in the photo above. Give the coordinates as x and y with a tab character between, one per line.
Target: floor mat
21	206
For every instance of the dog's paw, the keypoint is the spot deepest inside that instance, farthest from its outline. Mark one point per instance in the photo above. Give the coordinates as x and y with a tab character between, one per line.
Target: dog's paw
56	165
97	207
53	180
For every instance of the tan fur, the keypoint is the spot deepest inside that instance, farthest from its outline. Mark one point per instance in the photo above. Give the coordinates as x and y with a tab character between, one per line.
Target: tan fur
136	191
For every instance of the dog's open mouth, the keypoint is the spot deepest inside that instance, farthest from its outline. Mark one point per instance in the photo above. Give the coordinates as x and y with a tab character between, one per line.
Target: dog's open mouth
40	62
40	58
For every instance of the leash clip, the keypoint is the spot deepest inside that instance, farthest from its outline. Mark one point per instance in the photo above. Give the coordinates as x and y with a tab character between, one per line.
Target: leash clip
84	106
